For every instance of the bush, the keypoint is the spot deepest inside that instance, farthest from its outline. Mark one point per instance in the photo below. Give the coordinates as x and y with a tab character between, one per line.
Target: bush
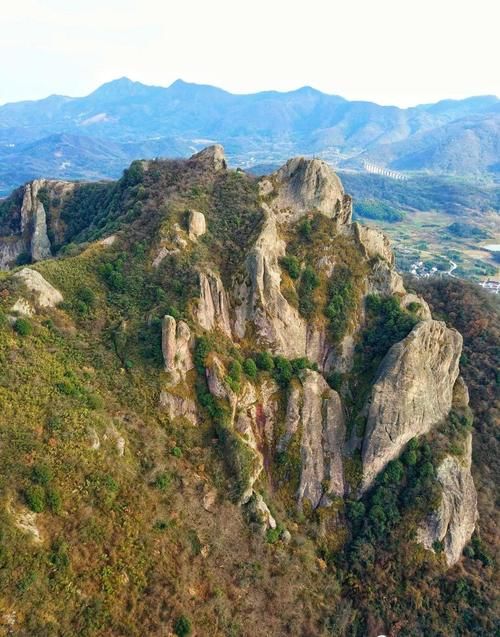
54	500
250	368
23	327
264	361
283	371
182	627
162	481
201	351
341	302
35	498
176	452
41	474
292	265
305	229
309	281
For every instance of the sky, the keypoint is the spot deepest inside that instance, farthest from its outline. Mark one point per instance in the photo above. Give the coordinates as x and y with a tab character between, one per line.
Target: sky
401	52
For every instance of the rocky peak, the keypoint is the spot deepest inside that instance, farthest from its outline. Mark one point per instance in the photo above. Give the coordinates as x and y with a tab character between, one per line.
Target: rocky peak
308	185
413	392
211	158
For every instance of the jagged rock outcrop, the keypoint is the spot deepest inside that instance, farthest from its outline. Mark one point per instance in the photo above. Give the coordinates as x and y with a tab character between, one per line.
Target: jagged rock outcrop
213	308
211	158
259	302
45	294
453	522
177	345
27	234
307	185
33	212
314	414
373	243
197	225
412	393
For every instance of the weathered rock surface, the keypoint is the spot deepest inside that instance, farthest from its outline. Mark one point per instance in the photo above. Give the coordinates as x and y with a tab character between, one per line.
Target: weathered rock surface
454	520
22	307
197	225
211	158
45	294
314	413
260	302
177	405
33	211
412	393
253	413
373	243
213	309
307	185
177	345
10	249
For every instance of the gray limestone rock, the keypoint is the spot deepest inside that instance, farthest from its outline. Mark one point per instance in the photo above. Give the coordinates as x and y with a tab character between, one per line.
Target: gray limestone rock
314	412
412	393
453	522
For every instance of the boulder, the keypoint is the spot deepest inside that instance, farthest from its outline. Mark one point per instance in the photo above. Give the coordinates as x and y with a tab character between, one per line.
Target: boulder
45	294
211	158
453	522
412	393
197	225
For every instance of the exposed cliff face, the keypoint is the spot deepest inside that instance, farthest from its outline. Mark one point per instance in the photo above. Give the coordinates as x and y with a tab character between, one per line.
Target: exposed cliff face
413	392
29	223
213	310
453	522
314	415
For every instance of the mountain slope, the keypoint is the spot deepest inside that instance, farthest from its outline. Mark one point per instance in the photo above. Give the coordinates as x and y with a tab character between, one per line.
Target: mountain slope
223	413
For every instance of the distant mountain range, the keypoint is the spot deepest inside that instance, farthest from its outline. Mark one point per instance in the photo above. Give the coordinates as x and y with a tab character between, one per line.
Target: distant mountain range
98	135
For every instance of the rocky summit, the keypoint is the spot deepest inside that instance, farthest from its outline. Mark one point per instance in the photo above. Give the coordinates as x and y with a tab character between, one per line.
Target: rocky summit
204	368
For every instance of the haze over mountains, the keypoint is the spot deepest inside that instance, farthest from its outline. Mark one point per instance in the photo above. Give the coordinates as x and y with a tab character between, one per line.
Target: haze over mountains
98	135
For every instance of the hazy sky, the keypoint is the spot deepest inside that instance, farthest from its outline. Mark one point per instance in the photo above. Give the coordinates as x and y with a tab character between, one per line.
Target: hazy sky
390	51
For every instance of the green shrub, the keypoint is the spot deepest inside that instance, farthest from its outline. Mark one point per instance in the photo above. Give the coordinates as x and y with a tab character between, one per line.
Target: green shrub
176	452
41	474
305	229
264	361
309	281
341	302
292	265
250	368
162	481
54	500
182	627
273	535
334	379
35	498
283	371
23	327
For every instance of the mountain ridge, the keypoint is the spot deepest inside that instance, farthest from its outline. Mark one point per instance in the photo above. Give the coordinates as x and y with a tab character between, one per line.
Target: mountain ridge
254	127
